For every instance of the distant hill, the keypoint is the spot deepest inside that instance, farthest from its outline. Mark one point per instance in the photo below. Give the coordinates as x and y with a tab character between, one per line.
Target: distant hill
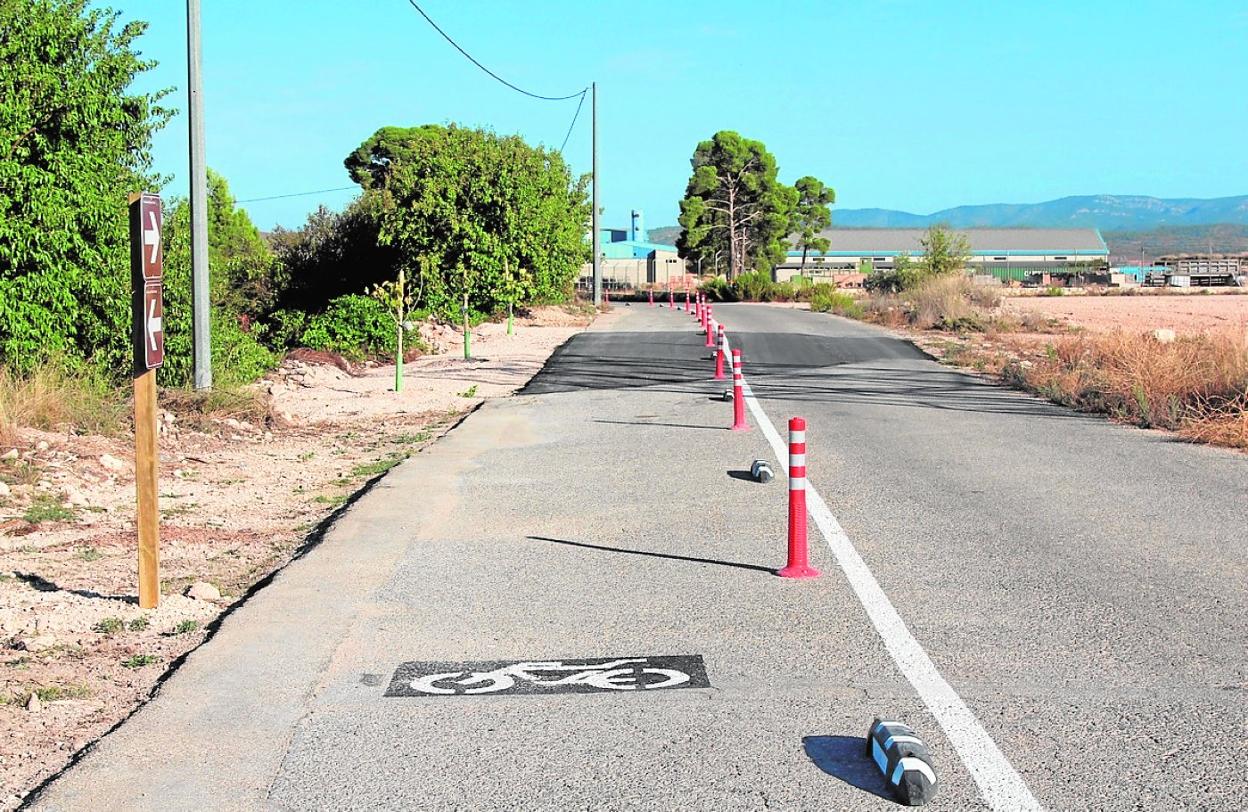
1106	212
1162	226
1223	238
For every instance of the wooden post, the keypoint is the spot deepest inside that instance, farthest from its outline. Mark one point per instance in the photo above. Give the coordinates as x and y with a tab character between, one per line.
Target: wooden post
147	270
146	469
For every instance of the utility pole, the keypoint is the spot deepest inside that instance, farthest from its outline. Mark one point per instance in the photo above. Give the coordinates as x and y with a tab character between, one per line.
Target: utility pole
593	106
200	311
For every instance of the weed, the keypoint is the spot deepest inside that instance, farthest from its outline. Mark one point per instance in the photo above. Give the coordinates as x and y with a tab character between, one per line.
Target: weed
306	456
1053	290
185	627
407	439
330	500
89	554
470	392
109	626
377	468
139	624
47	508
140	660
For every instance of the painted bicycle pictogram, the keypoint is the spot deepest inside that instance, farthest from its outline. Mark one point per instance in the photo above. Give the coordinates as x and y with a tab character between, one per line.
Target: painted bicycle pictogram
548	676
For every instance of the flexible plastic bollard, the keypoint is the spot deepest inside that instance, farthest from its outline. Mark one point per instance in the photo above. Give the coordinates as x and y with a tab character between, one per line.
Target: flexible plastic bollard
738	394
799	554
671	299
652	297
719	355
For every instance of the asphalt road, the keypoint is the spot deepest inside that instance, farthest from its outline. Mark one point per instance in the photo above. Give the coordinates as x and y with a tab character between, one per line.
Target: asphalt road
1072	594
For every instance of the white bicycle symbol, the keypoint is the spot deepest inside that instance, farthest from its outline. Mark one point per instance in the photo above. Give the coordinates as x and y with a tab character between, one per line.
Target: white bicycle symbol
617	675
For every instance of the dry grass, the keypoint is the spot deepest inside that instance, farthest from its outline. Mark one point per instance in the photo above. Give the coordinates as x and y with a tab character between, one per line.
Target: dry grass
51	398
1197	385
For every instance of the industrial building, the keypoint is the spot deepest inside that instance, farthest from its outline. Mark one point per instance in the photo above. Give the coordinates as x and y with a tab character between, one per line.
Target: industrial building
1006	253
629	260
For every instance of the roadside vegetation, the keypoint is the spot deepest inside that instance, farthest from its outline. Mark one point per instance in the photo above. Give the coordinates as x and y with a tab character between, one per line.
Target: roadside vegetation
477	224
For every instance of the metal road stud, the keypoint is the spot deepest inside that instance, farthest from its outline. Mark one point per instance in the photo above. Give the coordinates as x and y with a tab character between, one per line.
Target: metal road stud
738	395
799	555
719	355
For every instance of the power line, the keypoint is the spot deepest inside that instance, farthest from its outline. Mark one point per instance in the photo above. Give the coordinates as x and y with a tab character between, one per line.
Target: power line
573	124
473	60
296	194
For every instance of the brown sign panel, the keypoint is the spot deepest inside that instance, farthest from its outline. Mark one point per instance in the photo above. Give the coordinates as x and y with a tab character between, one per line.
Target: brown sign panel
153	325
146	270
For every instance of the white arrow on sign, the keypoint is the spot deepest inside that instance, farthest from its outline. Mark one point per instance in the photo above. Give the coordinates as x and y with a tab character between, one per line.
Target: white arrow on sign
154	324
151	236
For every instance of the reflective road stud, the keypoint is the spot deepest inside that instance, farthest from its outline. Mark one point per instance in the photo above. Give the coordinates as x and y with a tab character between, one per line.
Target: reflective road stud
799	563
738	396
719	356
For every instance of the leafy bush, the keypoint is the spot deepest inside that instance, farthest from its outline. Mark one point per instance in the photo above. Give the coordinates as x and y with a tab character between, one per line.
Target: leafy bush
826	298
356	327
717	289
1053	290
75	142
755	286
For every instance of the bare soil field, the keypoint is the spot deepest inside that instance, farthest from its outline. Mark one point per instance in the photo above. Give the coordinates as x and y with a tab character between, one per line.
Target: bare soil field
237	499
1185	314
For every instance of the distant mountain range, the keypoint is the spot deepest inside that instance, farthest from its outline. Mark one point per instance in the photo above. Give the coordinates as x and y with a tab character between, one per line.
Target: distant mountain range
1160	225
1106	212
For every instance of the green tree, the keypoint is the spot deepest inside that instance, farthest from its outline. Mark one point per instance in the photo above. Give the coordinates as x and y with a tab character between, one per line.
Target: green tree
74	142
811	215
734	204
462	207
247	278
944	251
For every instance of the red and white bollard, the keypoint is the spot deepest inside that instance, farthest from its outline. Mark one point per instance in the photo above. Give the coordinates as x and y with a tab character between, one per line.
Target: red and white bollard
687	308
710	332
799	554
671	299
719	355
710	315
738	393
652	297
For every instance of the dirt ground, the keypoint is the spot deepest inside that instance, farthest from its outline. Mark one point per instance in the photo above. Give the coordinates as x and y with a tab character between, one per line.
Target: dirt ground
1189	313
237	499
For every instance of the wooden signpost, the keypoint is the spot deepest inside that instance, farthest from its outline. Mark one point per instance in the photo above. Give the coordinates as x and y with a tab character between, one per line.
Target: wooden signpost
148	310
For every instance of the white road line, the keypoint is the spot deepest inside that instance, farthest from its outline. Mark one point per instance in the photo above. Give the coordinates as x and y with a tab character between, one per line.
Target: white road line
1000	785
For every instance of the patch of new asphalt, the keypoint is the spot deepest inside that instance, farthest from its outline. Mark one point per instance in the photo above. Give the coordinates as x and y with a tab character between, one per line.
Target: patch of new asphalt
1078	583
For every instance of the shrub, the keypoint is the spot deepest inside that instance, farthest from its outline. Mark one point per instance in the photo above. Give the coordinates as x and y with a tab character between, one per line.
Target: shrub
826	298
940	301
354	326
717	289
986	296
1053	290
755	286
1195	385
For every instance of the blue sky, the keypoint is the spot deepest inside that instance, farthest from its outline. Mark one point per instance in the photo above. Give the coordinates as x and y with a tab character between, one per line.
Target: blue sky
896	103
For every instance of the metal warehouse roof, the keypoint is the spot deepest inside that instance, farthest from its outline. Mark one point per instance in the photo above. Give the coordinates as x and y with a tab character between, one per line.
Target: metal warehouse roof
983	240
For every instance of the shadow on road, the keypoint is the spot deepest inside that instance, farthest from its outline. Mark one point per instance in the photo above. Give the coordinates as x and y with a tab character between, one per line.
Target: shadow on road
647	553
845	758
